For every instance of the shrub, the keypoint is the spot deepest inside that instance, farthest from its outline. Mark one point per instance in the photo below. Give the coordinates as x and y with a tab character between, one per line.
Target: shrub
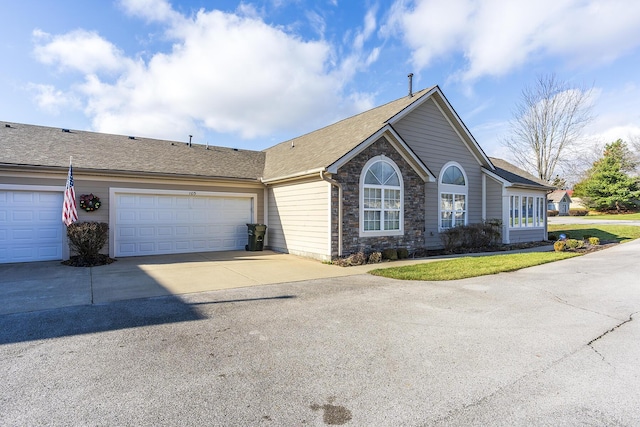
552	237
578	212
574	244
374	258
560	246
472	237
391	254
553	213
403	253
87	239
594	241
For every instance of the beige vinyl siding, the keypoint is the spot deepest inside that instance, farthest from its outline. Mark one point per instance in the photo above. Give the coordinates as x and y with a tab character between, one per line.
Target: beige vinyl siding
431	136
299	219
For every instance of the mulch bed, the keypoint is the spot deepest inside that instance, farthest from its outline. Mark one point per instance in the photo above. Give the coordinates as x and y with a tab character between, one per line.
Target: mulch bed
76	261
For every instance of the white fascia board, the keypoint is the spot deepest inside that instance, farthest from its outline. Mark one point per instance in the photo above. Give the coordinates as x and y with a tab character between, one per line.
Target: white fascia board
496	177
293	176
413	106
412	159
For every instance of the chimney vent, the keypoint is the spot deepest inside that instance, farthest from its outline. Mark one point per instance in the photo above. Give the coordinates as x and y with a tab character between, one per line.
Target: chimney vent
190	136
410	84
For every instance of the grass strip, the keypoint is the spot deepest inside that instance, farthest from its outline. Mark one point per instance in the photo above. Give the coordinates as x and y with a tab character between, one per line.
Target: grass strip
465	267
632	216
605	232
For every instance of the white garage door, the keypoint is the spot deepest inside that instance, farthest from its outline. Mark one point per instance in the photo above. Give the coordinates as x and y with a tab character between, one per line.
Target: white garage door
31	226
152	224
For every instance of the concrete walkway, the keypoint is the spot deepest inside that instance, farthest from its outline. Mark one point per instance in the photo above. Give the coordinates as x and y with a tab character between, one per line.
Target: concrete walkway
47	285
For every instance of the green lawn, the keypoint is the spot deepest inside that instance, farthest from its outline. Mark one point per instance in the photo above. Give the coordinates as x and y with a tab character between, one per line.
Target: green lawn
462	268
605	232
633	216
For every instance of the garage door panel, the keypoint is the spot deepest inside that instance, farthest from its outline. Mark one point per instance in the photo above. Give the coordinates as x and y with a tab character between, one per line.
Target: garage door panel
49	215
23	215
146	216
49	233
179	224
164	216
23	234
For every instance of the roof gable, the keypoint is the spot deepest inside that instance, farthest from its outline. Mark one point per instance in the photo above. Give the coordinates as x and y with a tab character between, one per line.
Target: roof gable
323	147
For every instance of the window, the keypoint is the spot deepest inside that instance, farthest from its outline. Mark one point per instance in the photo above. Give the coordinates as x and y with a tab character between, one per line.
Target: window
382	198
453	191
526	211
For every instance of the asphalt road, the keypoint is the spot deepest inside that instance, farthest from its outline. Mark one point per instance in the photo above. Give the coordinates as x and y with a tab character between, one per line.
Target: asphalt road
552	345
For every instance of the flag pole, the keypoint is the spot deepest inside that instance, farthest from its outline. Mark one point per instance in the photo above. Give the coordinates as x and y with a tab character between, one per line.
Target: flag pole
69	210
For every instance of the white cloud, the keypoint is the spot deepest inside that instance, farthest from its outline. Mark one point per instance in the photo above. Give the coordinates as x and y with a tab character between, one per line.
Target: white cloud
617	115
495	37
79	50
151	10
52	100
228	73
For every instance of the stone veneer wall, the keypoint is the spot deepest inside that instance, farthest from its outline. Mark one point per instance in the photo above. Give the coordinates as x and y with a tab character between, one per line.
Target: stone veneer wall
414	205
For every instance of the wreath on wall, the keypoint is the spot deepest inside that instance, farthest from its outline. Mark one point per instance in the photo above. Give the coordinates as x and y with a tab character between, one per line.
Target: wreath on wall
89	202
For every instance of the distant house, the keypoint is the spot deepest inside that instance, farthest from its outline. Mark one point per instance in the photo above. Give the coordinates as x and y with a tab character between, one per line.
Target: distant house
560	201
394	176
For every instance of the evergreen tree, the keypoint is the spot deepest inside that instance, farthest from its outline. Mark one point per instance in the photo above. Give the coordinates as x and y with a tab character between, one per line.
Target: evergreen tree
608	185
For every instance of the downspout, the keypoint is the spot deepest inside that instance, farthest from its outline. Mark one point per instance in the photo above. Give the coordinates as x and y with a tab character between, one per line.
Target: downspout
336	184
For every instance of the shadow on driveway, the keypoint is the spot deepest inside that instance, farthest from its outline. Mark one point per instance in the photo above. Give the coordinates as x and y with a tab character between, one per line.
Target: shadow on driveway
78	320
48	300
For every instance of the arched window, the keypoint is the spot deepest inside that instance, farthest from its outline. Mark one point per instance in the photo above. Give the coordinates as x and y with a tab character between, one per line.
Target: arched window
453	191
381	198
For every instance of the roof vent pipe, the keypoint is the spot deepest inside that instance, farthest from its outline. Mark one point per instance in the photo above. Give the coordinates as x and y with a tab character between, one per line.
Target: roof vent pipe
410	84
190	136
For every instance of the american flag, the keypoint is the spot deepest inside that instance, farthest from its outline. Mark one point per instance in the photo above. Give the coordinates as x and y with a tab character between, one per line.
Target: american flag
69	211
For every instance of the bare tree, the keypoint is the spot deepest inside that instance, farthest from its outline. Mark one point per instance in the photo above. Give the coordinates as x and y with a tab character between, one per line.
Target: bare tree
547	123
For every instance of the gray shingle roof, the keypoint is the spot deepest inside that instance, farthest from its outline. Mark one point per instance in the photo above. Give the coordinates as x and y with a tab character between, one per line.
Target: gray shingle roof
557	195
323	147
517	176
30	145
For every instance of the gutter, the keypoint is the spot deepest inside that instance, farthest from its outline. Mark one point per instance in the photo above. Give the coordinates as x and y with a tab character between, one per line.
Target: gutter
336	184
120	173
292	177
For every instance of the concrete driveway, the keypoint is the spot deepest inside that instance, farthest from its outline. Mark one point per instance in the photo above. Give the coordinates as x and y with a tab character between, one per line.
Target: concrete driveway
557	344
48	285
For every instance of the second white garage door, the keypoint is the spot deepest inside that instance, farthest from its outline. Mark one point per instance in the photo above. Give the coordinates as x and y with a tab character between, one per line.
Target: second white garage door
153	224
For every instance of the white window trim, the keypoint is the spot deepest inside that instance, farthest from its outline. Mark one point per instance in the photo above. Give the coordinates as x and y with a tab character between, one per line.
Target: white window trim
380	233
540	220
452	189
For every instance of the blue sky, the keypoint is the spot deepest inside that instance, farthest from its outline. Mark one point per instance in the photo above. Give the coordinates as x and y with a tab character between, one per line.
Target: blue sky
251	74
